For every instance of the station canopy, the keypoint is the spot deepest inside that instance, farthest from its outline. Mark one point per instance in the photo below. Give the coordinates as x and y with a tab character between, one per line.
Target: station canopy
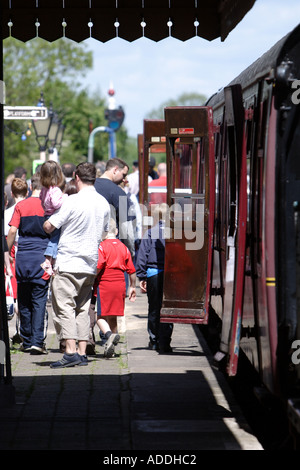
104	20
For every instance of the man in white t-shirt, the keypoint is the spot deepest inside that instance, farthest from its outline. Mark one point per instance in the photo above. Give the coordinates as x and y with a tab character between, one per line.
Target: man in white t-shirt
83	219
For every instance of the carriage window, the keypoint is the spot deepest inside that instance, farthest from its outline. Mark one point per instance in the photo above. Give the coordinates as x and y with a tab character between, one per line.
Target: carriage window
188	199
189	166
183	167
157	194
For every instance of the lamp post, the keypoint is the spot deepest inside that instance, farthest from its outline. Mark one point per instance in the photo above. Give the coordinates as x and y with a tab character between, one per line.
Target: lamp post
55	137
60	135
48	130
41	128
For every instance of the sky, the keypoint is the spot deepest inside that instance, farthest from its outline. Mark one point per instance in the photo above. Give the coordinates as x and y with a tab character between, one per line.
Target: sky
145	73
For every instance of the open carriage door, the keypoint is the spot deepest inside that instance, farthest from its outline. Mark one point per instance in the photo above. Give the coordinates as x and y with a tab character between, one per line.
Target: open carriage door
236	237
140	145
154	146
188	254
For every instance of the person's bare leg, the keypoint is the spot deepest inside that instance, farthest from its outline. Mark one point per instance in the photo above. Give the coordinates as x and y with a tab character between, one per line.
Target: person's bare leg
82	347
112	321
103	325
70	346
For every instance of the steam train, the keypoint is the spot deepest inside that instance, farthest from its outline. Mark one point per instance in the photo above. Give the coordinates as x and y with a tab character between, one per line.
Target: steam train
233	243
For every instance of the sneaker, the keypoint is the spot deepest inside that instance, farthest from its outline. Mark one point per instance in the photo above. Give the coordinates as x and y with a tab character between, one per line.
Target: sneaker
47	267
103	340
165	350
84	360
16	339
24	348
90	349
36	350
46	276
116	338
68	360
109	348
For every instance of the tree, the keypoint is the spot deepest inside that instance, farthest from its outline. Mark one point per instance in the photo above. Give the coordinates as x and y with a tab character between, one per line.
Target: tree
185	99
54	69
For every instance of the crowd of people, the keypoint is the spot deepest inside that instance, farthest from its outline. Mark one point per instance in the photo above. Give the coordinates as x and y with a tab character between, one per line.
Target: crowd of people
75	231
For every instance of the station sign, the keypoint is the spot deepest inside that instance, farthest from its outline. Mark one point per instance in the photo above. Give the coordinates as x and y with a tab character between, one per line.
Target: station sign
25	112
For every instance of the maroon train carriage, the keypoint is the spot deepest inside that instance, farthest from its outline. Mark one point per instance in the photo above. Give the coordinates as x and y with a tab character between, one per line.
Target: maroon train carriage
154	144
188	245
234	231
151	143
140	149
256	281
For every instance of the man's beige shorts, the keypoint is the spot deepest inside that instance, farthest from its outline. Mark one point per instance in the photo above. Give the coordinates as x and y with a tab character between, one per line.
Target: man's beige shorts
71	297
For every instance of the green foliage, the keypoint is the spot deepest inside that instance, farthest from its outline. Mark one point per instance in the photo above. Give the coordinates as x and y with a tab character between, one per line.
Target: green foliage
55	69
185	99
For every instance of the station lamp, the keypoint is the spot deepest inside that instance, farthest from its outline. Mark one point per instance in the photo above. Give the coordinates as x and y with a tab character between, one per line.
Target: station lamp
49	130
55	136
60	135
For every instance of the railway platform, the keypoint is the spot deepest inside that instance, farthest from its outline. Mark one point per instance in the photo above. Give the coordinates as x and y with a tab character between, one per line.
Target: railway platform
137	400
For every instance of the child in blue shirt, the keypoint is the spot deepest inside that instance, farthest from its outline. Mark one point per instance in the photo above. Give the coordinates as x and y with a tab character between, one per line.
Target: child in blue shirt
150	271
